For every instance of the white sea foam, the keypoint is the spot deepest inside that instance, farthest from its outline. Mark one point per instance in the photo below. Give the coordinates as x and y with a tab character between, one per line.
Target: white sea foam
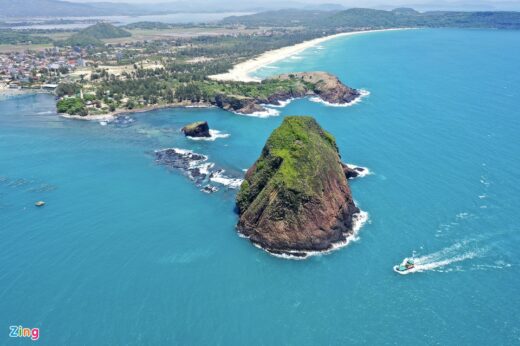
269	112
103	123
220	178
496	265
359	220
180	151
200	170
214	134
296	57
363	93
462	216
204	167
361	174
281	104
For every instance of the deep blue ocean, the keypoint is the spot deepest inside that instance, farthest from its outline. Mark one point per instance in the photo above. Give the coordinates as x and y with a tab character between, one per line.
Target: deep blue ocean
127	251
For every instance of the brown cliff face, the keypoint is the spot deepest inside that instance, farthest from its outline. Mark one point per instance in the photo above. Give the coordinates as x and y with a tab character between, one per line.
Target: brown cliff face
295	198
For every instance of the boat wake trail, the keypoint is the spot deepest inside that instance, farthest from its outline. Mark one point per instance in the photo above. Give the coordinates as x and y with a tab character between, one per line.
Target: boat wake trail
438	261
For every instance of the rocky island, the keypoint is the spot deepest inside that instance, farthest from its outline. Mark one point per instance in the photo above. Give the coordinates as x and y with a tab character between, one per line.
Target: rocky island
295	199
197	129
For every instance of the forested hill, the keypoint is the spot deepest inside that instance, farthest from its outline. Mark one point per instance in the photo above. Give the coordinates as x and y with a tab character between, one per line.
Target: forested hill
358	18
92	35
105	30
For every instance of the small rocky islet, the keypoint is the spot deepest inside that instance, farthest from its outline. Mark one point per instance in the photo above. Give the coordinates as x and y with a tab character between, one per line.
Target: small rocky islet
295	199
197	129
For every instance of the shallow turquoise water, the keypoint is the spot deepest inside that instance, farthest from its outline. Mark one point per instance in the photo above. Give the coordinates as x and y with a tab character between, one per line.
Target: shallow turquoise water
129	252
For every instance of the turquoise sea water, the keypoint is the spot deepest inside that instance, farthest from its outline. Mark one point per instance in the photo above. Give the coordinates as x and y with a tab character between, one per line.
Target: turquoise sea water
129	252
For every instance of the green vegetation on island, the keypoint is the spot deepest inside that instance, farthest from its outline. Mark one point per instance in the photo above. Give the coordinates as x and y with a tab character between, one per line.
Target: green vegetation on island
290	159
72	106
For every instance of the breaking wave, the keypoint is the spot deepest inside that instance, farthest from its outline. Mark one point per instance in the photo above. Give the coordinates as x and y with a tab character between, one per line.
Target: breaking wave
197	168
214	134
359	220
220	178
362	171
363	93
281	104
268	112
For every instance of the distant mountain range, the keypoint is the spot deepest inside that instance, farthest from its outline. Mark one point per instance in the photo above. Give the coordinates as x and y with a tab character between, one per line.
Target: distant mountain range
272	12
357	18
58	8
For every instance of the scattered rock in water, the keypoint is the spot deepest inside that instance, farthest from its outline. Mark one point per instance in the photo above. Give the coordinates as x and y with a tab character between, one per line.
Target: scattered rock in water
352	171
122	121
209	189
197	129
196	167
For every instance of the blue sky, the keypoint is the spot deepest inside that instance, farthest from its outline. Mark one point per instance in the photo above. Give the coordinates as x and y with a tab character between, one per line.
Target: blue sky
448	4
422	4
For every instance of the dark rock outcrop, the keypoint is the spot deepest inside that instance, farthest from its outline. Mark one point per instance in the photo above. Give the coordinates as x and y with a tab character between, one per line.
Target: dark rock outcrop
296	198
197	168
354	172
239	104
197	129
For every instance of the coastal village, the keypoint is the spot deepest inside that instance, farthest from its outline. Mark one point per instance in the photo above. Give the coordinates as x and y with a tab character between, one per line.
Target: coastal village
100	78
39	69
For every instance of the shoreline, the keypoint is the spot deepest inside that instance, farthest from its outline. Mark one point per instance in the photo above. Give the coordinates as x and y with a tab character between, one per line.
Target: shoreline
359	220
241	71
7	92
111	116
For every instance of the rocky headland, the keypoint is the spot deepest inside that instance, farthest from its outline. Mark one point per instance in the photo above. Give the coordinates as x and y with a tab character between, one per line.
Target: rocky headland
295	199
323	85
250	98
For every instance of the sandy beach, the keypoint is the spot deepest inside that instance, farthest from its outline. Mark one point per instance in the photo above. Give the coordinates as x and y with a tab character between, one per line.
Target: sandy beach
241	72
